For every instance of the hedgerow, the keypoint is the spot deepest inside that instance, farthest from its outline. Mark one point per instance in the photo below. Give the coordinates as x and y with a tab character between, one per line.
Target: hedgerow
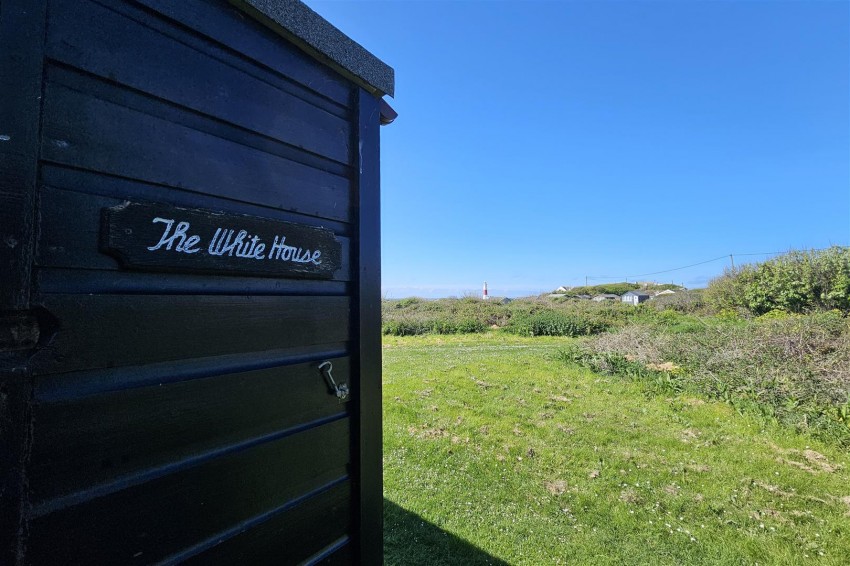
796	282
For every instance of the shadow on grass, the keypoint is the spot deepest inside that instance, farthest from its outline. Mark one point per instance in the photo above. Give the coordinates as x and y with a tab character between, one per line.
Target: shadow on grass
411	540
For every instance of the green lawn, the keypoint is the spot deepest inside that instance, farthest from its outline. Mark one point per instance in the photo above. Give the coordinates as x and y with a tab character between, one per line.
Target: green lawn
496	452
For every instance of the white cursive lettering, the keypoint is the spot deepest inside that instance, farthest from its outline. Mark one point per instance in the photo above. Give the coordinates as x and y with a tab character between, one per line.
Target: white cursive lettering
184	244
231	243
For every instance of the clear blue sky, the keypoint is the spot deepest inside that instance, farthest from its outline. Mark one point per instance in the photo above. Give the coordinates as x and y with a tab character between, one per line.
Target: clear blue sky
541	142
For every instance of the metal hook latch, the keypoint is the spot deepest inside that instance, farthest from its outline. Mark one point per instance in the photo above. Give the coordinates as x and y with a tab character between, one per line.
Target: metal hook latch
340	390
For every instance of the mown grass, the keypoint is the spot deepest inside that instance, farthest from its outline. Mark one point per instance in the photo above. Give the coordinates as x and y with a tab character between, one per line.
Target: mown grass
494	440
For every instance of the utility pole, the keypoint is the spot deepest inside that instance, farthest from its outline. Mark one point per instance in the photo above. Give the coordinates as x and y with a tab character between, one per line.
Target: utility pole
585	280
732	259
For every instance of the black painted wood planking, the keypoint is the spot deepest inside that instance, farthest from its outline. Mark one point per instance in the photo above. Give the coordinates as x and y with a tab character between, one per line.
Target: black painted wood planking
367	450
169	62
174	511
69	234
226	25
158	237
300	529
85	441
21	73
338	554
91	186
89	281
86	132
144	329
114	93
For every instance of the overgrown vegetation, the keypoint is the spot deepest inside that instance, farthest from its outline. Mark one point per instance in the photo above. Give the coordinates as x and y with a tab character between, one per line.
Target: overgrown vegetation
796	282
528	317
605	288
794	369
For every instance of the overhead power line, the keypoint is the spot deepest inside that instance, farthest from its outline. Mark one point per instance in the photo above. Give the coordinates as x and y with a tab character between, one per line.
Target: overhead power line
722	257
660	272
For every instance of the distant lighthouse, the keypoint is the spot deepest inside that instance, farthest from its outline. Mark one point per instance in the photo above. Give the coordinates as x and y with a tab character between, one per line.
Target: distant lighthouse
484	296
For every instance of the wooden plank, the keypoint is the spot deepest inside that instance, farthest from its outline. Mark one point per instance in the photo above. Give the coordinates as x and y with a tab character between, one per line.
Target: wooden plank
153	520
55	176
289	537
230	26
21	74
367	314
74	281
21	70
340	552
103	89
103	42
70	230
85	442
66	387
86	132
98	331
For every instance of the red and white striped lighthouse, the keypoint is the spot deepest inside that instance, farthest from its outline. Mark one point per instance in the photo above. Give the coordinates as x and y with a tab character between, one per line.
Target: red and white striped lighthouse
484	296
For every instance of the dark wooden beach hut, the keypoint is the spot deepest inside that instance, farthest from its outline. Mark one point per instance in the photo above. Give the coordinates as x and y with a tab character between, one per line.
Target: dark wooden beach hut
189	284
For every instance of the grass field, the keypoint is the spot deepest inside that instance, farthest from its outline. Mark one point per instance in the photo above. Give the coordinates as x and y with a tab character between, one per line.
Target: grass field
497	451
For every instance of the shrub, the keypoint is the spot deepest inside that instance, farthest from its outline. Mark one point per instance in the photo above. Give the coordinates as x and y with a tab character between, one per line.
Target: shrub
457	326
792	368
682	301
404	303
551	323
605	288
795	282
404	327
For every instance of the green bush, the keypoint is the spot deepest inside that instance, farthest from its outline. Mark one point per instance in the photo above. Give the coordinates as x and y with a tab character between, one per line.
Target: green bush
682	301
457	326
605	288
404	327
551	323
405	303
795	282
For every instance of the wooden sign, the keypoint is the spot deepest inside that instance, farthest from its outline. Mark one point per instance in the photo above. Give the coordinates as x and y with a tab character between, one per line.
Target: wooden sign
161	237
